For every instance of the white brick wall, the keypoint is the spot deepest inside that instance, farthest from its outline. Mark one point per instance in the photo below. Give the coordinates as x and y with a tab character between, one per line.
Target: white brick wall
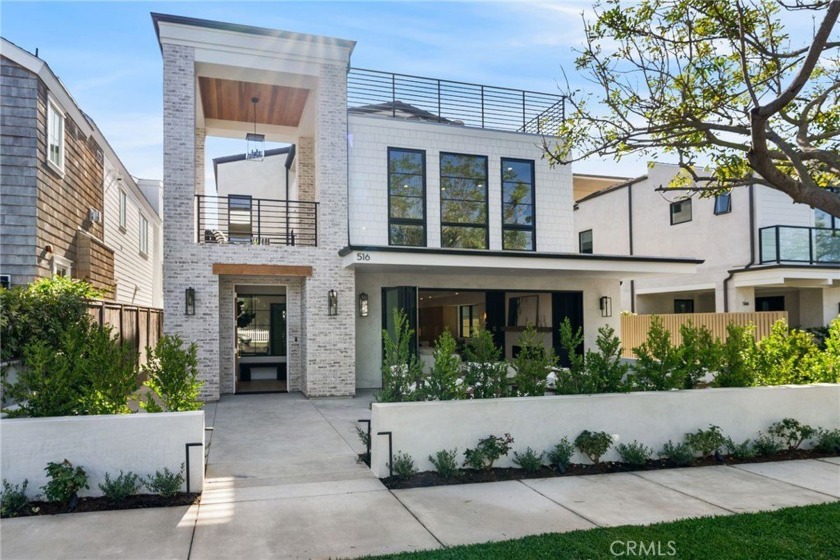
370	138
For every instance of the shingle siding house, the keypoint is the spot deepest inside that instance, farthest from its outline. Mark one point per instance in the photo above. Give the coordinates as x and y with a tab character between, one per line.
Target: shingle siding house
63	188
403	193
761	251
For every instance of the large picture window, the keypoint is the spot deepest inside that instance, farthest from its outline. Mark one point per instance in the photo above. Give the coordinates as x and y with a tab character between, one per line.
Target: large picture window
406	197
463	201
518	205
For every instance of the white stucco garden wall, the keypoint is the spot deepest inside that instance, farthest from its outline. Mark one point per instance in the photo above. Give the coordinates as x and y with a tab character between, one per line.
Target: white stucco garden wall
142	443
652	418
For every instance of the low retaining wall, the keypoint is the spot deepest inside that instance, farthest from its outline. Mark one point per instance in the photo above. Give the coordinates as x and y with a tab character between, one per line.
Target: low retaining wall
142	443
421	429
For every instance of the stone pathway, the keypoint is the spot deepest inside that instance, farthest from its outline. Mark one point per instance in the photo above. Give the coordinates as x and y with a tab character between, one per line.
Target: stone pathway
283	482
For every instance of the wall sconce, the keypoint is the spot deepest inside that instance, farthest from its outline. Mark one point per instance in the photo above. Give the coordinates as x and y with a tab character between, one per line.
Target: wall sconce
189	301
363	305
332	303
605	304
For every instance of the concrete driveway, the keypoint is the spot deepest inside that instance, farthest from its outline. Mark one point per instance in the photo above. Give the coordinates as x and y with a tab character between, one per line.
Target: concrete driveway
283	482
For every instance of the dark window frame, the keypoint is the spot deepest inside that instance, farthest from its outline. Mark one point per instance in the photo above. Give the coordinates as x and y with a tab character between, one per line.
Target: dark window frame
718	197
407	221
591	242
472	317
691	211
689	304
485	225
518	227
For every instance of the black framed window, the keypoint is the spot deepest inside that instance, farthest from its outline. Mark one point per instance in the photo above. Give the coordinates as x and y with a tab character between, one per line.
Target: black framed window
468	315
823	219
723	203
770	303
406	197
585	241
681	211
683	306
463	201
518	205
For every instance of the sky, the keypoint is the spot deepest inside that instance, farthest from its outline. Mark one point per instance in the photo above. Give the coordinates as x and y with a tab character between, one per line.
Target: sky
107	55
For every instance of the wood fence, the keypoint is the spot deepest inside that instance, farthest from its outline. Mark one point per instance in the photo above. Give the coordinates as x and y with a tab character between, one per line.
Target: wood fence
634	328
136	326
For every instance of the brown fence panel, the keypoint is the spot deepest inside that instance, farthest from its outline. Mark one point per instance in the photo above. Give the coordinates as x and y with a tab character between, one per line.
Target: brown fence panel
634	328
136	326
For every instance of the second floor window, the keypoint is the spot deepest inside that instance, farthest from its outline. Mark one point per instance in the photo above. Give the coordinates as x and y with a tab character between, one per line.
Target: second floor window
723	203
518	205
55	136
463	201
123	209
406	197
144	235
585	241
681	211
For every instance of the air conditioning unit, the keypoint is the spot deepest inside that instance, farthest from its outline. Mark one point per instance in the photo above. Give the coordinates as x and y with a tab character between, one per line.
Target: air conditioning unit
5	281
95	215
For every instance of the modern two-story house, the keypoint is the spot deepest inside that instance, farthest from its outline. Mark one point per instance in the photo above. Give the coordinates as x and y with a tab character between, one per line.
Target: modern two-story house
395	192
69	206
761	251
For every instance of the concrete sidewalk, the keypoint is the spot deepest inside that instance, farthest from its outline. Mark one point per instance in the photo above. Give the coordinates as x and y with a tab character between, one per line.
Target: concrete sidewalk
283	482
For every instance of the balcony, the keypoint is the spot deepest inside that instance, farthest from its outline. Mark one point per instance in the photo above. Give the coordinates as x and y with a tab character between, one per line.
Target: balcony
241	219
796	244
455	103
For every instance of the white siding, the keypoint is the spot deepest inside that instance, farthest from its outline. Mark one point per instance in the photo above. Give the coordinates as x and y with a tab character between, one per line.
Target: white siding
370	138
775	208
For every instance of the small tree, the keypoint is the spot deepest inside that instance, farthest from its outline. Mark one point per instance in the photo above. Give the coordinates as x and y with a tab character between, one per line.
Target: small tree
658	361
699	353
402	376
532	364
737	358
605	367
573	379
172	373
787	356
443	383
486	372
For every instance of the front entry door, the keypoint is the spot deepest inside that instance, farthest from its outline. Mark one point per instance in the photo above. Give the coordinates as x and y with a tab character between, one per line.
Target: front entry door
277	338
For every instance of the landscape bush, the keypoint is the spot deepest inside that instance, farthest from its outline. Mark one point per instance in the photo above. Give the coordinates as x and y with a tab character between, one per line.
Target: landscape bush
791	432
765	445
532	364
743	450
635	453
788	356
677	454
529	460
165	483
65	482
828	441
487	452
403	466
657	367
485	371
402	375
593	444
736	367
706	442
172	375
13	500
445	462
121	487
561	454
443	383
595	372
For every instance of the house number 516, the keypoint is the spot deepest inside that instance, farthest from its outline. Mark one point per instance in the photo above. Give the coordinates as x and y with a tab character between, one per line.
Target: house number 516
362	256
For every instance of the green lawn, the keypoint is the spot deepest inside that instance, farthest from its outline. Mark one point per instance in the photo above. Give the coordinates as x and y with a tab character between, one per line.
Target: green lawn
810	532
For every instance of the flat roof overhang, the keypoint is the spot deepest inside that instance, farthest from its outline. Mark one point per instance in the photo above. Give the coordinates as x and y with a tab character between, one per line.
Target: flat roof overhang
787	276
509	263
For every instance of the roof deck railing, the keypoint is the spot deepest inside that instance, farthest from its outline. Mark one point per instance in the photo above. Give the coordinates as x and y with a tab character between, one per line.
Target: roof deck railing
799	245
455	103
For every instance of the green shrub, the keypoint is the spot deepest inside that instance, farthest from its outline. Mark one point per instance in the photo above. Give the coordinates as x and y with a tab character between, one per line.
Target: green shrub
443	382
605	369
13	501
485	372
88	372
677	454
699	353
65	481
743	450
121	487
403	466
636	454
791	432
172	374
828	441
402	375
706	442
657	366
736	367
446	463
532	364
487	452
572	380
42	311
830	356
787	356
766	445
593	444
165	483
529	460
561	454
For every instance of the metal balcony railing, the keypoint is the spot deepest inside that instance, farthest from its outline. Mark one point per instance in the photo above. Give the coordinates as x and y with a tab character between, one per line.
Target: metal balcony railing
798	244
256	221
456	103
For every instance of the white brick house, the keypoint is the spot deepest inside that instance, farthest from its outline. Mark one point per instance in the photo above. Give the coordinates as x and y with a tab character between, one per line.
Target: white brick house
402	192
761	251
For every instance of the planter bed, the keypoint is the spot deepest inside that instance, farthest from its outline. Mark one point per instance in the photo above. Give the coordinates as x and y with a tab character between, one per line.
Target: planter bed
469	476
138	501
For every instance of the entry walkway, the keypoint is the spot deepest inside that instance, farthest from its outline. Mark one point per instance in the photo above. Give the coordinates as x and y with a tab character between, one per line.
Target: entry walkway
283	482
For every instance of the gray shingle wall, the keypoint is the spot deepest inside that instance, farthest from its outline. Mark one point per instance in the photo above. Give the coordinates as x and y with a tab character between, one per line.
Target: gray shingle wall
18	168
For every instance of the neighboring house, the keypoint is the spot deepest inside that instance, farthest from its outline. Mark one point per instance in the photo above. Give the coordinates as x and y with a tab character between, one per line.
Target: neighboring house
403	193
761	251
68	205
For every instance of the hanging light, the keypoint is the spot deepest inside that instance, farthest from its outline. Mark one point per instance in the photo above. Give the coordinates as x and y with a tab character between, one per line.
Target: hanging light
255	142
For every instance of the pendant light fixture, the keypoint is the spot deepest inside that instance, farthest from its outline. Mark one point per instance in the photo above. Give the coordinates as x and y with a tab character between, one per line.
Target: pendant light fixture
255	142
